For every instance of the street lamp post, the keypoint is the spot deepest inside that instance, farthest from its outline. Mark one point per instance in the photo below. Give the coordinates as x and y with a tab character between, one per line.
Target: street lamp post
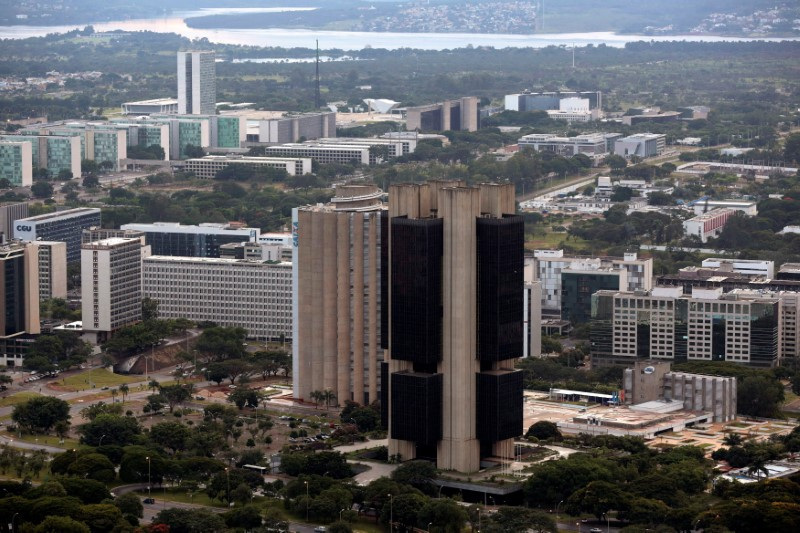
306	482
13	526
340	515
557	506
431	523
608	523
228	476
101	441
148	476
391	512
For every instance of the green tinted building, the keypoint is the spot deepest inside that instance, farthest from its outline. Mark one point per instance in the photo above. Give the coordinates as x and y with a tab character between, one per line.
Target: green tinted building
16	163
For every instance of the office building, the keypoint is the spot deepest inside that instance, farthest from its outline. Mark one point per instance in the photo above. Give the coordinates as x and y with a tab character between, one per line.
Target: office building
9	212
257	251
707	225
571	116
65	226
579	281
144	134
322	153
52	153
654	117
746	207
163	106
224	133
455	323
111	285
595	145
654	381
204	240
100	142
382	148
632	274
641	145
292	128
532	319
253	294
552	101
338	285
96	233
748	267
16	162
19	294
455	115
52	269
197	83
208	166
705	325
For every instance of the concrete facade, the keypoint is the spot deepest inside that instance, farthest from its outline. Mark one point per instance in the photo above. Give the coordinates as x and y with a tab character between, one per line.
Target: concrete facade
52	269
336	295
197	83
461	114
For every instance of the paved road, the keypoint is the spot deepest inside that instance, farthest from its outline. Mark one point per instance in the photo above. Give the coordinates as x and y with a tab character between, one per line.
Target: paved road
29	445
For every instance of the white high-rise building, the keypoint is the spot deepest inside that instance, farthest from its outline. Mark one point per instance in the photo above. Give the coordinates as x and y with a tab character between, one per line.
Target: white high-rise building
111	284
52	269
197	83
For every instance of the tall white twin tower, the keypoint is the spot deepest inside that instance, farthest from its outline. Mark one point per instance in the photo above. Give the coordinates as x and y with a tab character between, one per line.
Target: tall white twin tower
197	83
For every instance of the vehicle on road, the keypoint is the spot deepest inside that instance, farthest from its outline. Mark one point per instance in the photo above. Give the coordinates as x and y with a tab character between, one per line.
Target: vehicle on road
149	500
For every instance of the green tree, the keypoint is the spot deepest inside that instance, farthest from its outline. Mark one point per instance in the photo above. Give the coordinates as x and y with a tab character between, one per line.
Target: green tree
418	474
171	435
519	519
100	517
149	309
40	414
112	429
791	148
190	521
176	394
544	430
61	524
445	516
42	189
615	162
219	343
759	396
130	504
93	466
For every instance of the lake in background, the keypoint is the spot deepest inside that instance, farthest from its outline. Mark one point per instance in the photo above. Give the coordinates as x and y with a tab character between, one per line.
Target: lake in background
352	40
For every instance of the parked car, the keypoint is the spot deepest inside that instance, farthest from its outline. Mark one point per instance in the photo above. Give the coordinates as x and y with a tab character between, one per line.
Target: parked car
149	500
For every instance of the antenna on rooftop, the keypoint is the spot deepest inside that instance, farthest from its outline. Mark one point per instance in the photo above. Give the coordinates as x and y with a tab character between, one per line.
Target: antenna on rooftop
316	92
573	55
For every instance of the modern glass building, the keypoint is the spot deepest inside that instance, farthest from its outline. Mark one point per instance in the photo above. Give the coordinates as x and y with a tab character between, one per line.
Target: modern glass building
172	238
53	153
16	162
65	226
450	392
706	325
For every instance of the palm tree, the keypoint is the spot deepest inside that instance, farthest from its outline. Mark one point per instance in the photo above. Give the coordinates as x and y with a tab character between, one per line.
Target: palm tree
124	389
328	396
317	397
114	393
153	385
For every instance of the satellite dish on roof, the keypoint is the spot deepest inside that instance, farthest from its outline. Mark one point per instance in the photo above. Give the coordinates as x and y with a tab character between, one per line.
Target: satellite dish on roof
649	369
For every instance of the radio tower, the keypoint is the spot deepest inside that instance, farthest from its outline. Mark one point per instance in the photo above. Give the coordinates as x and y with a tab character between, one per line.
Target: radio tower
316	89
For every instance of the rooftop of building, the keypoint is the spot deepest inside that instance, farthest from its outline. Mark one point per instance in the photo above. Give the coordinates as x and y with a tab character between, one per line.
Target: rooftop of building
718	211
584	137
236	158
62	214
214	261
177	227
154	101
645	136
110	243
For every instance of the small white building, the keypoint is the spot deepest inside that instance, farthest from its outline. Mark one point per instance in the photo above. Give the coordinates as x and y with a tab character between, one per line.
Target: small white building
708	224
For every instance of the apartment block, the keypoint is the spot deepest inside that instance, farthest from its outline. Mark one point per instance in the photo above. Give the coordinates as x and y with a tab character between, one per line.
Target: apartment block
339	282
321	152
208	166
111	285
252	294
16	162
65	226
291	128
455	306
594	145
706	325
204	240
455	115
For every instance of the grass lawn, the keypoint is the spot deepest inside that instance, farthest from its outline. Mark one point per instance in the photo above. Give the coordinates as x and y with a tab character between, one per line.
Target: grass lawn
49	440
182	496
19	397
99	378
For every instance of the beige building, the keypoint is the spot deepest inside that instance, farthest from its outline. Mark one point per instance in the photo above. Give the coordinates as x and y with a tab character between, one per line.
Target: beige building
455	323
337	295
52	269
111	284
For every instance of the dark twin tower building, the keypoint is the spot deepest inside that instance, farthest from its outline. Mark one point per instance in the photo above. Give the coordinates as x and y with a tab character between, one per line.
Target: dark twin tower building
454	313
